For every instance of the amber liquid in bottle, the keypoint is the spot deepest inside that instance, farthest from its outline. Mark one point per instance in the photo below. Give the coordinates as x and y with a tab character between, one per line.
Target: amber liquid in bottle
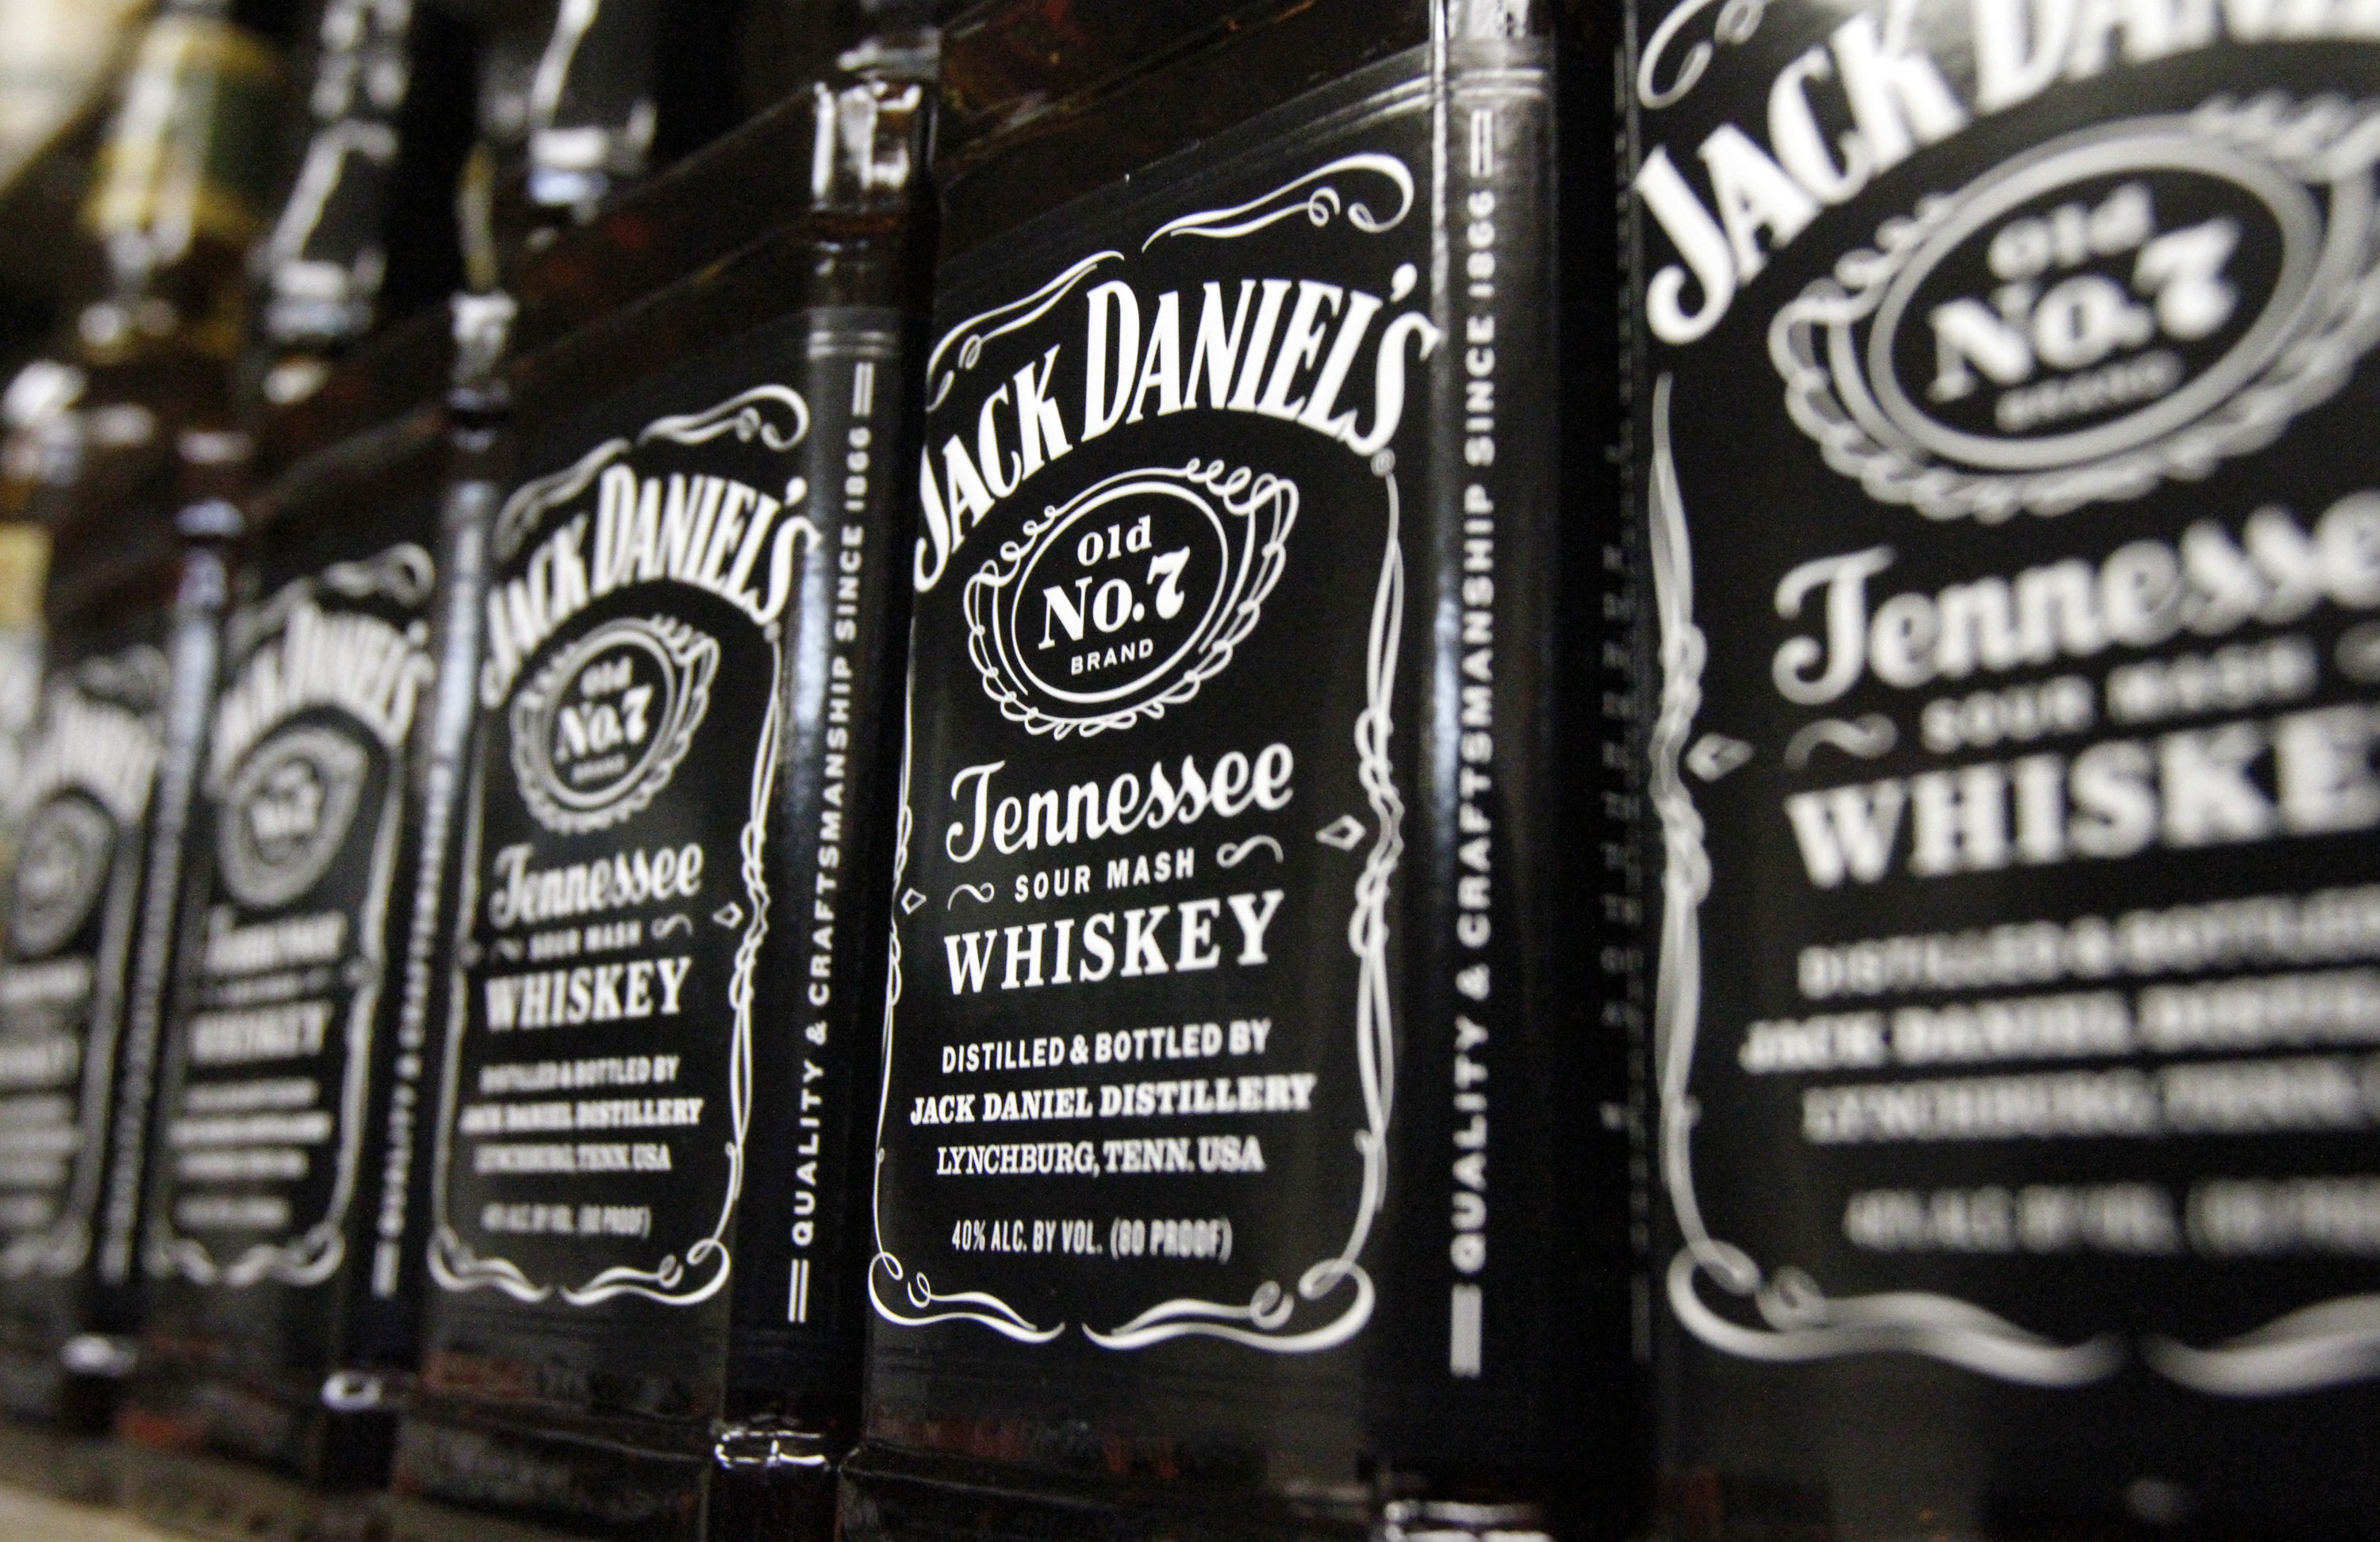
1243	1118
2010	781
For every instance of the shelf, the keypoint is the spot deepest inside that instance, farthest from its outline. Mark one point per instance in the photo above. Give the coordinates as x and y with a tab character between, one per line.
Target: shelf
32	1518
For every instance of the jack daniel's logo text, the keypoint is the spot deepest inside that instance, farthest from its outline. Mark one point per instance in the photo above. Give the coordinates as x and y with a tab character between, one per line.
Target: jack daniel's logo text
1884	72
1299	350
709	532
2130	302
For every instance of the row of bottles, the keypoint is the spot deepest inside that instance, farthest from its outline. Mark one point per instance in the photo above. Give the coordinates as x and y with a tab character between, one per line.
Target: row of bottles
237	1052
1078	769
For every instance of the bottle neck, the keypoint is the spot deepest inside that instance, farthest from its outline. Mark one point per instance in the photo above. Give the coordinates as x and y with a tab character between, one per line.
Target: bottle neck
477	398
591	107
179	187
868	139
327	254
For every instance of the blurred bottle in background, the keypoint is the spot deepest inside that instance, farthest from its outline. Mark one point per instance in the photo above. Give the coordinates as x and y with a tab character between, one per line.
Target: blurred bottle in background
280	1319
56	59
366	234
59	65
135	488
180	188
81	802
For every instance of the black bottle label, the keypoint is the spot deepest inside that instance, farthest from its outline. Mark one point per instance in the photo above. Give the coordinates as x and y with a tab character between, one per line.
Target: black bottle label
1144	1042
2014	548
653	848
81	802
285	959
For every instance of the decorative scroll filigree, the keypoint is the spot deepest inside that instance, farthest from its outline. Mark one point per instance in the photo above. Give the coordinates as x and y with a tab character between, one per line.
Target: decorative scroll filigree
1797	1319
1321	203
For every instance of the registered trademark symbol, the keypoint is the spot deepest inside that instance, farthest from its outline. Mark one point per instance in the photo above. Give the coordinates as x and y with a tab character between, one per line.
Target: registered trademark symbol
1384	462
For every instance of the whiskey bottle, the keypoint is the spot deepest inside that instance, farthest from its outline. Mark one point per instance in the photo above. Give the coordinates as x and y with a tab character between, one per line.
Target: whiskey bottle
1240	1122
278	1319
81	801
604	263
134	493
281	1312
646	1218
148	603
180	188
2004	468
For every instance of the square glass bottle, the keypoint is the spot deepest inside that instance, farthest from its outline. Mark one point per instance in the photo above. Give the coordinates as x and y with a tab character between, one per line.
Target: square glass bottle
665	974
1244	1136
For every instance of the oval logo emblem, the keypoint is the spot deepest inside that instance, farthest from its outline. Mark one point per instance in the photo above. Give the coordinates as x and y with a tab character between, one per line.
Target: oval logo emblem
2119	306
601	728
1126	599
61	866
286	814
